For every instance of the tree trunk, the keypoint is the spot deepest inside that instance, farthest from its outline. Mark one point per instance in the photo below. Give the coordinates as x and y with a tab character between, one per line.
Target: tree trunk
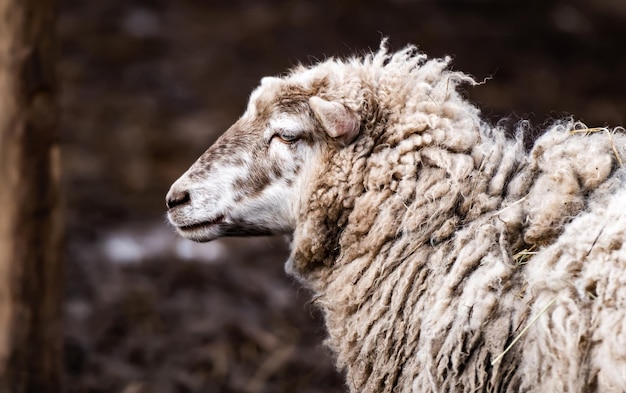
30	217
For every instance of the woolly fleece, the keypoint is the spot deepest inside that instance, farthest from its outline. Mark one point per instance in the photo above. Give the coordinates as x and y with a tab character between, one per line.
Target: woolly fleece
433	239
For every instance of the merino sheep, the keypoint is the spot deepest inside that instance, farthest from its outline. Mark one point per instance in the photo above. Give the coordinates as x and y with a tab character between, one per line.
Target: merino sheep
445	257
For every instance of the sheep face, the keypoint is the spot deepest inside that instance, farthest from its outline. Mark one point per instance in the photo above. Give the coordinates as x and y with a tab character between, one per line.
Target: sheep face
250	182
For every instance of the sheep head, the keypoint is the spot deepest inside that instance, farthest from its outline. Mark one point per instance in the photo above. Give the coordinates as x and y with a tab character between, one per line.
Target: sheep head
252	180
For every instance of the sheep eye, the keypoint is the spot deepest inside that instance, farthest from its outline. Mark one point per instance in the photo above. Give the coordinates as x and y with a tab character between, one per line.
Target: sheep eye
286	137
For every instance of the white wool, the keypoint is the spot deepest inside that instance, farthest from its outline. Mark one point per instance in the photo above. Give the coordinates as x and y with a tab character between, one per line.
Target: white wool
422	284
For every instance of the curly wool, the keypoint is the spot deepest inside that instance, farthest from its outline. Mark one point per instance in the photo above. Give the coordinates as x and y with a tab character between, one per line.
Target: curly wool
433	240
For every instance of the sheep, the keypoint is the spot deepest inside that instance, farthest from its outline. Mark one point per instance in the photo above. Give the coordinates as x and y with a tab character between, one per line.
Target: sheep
444	255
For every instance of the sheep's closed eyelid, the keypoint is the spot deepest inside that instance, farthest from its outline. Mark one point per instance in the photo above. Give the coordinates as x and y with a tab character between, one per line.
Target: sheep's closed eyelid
287	137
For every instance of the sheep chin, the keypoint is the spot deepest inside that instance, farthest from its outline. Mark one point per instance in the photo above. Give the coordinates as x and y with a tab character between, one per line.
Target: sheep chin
222	226
203	231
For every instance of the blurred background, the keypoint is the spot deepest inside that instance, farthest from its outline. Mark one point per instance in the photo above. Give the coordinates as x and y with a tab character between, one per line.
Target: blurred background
148	85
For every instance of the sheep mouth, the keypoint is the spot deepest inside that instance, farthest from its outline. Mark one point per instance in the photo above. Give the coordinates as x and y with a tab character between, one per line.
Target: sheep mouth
202	224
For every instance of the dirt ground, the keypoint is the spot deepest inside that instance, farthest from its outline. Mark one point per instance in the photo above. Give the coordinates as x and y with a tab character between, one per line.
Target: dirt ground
147	85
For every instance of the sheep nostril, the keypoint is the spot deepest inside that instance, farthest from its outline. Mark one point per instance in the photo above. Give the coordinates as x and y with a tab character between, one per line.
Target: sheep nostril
177	199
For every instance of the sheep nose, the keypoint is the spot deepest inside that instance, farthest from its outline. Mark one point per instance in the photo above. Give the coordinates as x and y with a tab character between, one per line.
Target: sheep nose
177	198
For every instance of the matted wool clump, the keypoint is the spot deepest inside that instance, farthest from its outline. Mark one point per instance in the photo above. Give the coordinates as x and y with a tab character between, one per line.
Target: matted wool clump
444	256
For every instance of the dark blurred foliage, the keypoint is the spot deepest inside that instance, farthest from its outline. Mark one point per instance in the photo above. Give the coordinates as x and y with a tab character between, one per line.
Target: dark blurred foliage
146	86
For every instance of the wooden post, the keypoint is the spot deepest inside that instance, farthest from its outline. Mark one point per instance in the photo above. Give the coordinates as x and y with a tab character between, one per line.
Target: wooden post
30	217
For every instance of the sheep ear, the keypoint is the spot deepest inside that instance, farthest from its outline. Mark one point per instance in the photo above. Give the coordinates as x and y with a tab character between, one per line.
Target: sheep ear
338	121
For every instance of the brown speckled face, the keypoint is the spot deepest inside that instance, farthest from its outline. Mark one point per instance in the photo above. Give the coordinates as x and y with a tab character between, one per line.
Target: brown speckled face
249	182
